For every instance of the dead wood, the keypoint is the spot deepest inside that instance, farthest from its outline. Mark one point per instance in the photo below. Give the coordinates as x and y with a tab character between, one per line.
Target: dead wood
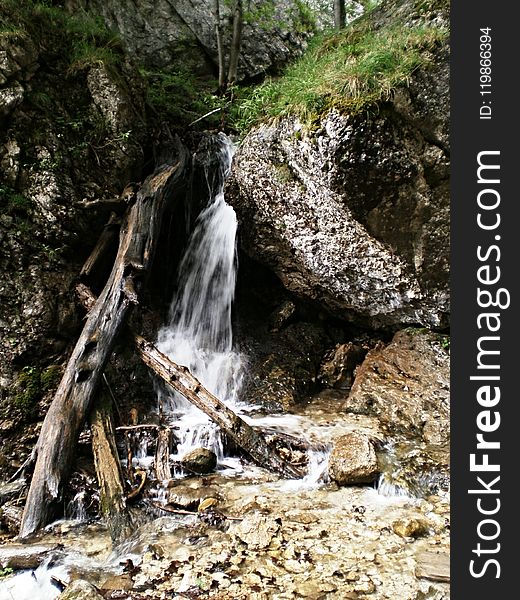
108	471
178	378
162	455
56	444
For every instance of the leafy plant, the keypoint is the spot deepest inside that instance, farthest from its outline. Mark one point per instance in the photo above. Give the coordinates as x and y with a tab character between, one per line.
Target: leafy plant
6	571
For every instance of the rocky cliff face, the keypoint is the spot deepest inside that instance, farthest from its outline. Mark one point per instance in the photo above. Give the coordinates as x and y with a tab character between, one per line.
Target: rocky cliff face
354	213
181	34
71	137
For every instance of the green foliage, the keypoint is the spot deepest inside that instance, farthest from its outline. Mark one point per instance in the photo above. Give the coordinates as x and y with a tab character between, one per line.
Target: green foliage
445	342
31	386
79	39
304	18
349	70
5	572
179	97
13	203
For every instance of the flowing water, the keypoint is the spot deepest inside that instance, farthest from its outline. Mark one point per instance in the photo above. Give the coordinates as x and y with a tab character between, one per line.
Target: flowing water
199	333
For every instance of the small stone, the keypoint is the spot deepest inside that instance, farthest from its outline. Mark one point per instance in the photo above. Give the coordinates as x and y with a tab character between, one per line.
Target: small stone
80	590
200	460
353	460
411	527
257	531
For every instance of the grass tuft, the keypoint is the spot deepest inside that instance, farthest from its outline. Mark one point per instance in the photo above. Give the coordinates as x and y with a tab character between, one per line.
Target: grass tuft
348	70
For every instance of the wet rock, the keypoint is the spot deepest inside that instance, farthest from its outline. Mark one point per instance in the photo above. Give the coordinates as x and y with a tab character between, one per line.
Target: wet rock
337	368
189	497
257	531
324	209
353	460
411	527
11	516
80	590
7	490
27	556
200	460
406	385
285	370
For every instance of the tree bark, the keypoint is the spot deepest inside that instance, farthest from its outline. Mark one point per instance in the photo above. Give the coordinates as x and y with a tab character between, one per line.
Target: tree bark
55	448
108	470
339	14
236	42
106	244
162	455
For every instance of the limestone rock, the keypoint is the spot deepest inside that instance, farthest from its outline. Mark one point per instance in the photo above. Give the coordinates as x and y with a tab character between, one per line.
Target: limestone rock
200	460
406	385
411	527
257	531
354	214
353	460
337	368
181	34
80	590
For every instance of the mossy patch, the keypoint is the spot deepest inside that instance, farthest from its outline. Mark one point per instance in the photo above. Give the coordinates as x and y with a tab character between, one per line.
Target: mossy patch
32	383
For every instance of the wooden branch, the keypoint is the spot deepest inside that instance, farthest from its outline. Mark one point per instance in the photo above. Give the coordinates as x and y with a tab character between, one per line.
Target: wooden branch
107	240
179	379
162	455
73	399
108	471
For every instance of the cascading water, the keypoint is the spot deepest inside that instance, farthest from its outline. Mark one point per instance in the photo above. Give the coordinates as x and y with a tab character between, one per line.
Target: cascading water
199	332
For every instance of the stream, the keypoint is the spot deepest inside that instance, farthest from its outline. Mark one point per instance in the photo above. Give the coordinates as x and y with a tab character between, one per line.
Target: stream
307	538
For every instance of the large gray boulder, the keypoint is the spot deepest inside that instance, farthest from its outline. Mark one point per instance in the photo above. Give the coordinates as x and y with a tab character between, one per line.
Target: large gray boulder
354	213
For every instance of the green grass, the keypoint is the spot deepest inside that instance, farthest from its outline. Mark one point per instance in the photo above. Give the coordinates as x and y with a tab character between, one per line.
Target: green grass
79	39
350	71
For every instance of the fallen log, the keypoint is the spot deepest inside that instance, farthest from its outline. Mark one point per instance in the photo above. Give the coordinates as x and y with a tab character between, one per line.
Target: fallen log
54	450
108	470
179	379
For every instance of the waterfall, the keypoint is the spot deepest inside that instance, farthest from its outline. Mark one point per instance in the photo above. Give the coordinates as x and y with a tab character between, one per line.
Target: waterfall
198	334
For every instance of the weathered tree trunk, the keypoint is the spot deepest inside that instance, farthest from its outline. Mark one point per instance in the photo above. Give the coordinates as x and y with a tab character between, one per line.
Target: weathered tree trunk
55	448
246	437
339	14
236	42
220	47
181	380
108	470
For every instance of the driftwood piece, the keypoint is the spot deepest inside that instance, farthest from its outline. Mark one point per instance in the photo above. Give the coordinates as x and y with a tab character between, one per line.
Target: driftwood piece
108	470
55	448
162	455
246	437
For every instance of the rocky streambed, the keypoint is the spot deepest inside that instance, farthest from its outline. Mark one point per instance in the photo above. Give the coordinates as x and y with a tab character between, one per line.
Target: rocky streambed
321	537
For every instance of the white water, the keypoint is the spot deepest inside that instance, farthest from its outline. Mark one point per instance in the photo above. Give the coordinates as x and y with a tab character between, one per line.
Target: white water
199	332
